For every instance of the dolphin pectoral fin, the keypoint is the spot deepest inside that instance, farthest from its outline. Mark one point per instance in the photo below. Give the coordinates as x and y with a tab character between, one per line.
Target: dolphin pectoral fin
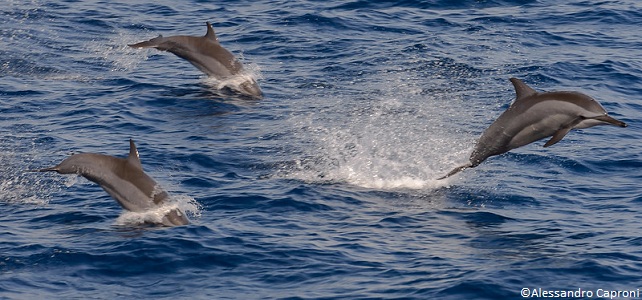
558	136
456	170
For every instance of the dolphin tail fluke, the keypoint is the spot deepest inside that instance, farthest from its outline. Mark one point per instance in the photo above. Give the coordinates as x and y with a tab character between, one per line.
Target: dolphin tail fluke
457	170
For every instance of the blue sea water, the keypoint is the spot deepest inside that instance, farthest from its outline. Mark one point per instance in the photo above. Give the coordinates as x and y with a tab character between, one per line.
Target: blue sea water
326	188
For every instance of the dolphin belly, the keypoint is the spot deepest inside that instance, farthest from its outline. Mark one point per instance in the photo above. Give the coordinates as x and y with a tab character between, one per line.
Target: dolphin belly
210	66
127	195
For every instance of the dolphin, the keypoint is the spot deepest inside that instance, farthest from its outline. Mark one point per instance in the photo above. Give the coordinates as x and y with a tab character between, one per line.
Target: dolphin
534	116
206	54
123	179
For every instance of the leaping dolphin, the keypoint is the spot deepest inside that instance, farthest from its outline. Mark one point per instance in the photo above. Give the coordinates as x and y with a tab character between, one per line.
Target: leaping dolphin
123	179
534	116
206	54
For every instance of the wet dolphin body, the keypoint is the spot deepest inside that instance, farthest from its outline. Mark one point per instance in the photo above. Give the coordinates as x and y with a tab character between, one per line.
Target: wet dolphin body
534	116
123	179
206	54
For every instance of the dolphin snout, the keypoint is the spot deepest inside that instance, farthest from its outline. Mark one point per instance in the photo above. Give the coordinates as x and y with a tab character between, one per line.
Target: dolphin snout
611	120
50	169
251	88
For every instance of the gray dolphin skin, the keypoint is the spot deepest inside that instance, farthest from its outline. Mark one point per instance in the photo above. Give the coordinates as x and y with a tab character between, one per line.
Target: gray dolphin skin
534	116
123	179
206	54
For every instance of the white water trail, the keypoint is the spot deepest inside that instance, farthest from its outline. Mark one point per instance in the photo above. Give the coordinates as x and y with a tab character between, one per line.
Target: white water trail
399	137
18	185
115	53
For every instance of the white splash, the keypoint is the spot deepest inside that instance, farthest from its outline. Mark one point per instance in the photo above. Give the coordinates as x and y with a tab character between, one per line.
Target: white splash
17	183
185	204
252	72
396	139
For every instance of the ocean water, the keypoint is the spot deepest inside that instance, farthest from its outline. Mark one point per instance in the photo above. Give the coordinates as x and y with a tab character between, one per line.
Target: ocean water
326	188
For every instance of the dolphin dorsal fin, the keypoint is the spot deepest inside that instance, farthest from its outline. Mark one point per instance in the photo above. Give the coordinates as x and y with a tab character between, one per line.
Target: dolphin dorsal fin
521	89
133	158
210	32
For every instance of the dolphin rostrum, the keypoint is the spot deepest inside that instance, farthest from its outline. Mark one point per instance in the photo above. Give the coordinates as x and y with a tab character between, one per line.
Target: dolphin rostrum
534	116
206	54
123	179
